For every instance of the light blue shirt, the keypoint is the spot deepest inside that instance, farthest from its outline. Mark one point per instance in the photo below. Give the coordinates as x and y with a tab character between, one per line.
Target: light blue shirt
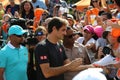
14	61
39	4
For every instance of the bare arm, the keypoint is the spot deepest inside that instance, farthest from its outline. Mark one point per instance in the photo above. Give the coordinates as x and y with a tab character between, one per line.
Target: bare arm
54	71
1	73
83	67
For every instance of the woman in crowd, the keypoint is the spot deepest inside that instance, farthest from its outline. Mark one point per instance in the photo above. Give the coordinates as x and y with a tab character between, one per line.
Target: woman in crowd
88	40
26	10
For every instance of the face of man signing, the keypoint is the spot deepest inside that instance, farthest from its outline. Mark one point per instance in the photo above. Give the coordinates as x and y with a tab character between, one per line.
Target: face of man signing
61	32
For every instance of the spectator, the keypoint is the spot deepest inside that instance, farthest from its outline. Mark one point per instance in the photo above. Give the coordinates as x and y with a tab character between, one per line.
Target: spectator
14	57
97	4
26	10
41	33
112	57
2	11
101	43
11	8
74	50
52	4
45	24
71	21
44	16
117	2
103	18
5	26
51	61
88	40
56	10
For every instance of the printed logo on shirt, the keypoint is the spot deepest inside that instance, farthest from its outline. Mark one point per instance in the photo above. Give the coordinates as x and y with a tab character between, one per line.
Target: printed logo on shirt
25	53
60	50
43	57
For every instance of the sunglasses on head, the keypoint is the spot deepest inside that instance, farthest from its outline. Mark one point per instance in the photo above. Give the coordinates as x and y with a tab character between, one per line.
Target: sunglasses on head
18	35
94	1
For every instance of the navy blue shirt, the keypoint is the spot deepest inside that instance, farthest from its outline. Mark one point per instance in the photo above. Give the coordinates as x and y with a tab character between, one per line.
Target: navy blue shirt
47	52
11	9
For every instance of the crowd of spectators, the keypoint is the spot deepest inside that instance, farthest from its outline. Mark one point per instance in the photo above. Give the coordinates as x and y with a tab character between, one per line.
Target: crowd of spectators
92	35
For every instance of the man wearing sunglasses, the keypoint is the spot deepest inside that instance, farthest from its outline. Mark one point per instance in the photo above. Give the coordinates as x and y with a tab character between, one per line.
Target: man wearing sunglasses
13	56
74	50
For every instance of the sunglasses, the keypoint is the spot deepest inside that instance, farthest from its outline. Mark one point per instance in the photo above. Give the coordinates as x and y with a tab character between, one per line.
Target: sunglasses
18	35
71	36
44	14
94	1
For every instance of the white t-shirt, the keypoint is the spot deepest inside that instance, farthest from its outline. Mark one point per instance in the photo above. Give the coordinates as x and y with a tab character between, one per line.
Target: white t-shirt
91	53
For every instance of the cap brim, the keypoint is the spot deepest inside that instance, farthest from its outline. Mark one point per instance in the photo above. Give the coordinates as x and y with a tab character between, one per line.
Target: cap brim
87	30
21	33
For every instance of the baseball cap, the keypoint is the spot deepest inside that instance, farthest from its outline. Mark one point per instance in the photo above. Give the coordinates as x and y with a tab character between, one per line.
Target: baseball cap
89	28
98	31
90	74
16	29
69	16
40	31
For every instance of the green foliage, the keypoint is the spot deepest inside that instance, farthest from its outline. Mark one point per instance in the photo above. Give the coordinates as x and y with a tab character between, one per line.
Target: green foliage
72	1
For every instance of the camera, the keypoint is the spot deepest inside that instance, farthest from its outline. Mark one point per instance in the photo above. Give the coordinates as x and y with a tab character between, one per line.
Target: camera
106	50
18	21
30	37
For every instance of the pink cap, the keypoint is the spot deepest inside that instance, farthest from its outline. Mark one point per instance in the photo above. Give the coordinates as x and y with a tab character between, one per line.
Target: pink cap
98	31
89	28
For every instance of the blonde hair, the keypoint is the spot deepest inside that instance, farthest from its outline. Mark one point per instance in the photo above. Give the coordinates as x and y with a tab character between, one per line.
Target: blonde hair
6	15
41	29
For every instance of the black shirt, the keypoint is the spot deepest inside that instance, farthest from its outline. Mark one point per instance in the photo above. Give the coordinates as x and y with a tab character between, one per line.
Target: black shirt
47	52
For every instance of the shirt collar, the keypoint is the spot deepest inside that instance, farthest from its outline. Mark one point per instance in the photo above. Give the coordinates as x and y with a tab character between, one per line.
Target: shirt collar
11	46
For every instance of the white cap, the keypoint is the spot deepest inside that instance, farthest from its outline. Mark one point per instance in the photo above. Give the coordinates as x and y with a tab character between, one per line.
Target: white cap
90	74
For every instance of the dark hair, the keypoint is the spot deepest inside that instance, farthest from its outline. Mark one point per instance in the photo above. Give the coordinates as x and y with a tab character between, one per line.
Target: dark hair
29	22
69	28
118	39
91	3
101	12
105	34
117	2
109	15
22	10
95	37
56	22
